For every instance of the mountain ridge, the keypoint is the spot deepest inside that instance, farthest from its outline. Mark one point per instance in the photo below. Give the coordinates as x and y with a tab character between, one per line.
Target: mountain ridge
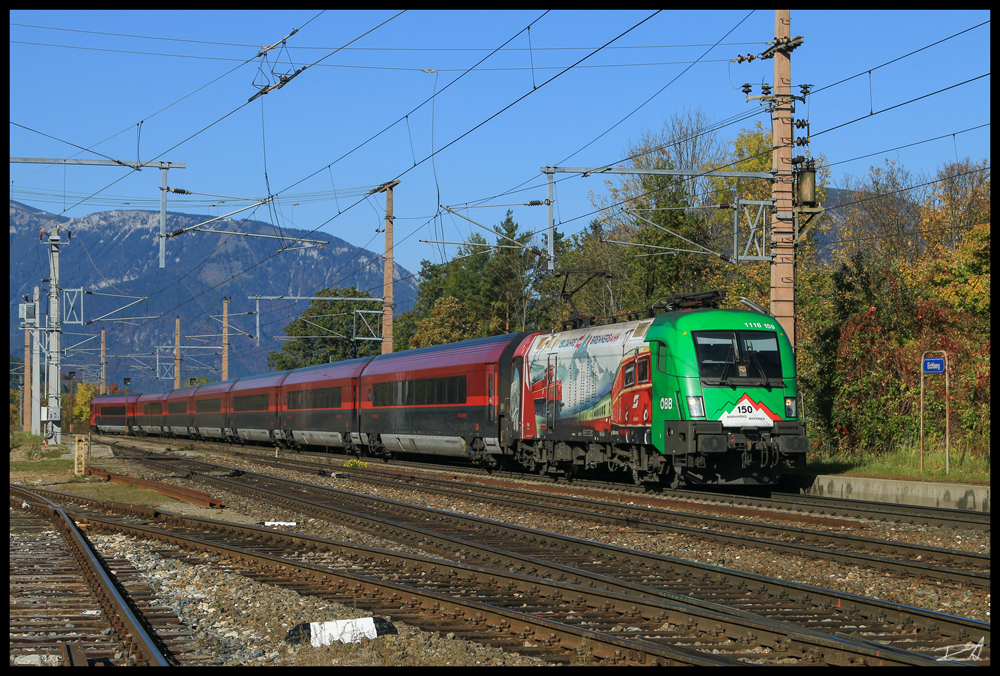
117	252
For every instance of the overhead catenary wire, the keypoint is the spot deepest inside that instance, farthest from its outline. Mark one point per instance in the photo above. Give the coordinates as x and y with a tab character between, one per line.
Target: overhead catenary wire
370	49
361	67
567	177
455	140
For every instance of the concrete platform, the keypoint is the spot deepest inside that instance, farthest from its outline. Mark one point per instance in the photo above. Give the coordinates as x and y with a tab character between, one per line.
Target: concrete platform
952	496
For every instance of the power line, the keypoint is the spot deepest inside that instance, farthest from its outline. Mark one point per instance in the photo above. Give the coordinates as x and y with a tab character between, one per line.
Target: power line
899	58
884	110
361	67
908	145
661	90
437	151
374	49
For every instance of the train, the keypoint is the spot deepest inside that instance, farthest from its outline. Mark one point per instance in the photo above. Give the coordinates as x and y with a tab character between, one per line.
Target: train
701	396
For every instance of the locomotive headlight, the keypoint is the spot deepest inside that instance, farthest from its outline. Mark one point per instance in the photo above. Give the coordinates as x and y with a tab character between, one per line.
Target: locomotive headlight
791	408
696	407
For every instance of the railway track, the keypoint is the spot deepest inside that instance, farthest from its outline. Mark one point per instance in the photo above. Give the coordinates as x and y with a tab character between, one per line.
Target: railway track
785	506
66	603
550	619
937	563
492	544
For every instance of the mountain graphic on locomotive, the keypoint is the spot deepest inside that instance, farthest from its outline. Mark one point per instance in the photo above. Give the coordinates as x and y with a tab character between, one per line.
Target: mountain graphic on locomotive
694	396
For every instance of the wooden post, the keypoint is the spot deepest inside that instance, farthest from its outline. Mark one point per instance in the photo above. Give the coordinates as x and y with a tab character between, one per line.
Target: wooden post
177	354
782	227
387	279
225	339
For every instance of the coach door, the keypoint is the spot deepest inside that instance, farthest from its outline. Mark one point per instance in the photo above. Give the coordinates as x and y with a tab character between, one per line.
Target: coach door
491	391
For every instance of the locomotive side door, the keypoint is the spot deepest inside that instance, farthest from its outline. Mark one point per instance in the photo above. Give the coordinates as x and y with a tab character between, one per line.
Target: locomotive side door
665	395
551	396
513	407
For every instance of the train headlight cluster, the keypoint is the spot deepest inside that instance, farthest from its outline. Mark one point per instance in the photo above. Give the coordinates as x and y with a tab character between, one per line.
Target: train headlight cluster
791	409
696	407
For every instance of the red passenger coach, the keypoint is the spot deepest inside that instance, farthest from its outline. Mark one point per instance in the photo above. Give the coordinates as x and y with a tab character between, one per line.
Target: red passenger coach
112	413
319	405
253	406
150	410
177	412
211	410
440	400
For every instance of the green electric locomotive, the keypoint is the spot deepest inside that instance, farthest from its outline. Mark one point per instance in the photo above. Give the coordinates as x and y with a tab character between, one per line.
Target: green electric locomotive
725	403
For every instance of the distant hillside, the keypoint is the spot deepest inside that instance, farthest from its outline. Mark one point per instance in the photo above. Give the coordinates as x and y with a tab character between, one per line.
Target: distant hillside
117	252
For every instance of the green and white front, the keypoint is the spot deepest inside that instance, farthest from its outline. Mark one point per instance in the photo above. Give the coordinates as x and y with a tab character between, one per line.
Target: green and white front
724	400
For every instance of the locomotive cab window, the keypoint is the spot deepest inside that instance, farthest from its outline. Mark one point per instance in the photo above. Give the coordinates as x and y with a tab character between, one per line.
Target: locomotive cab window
738	355
630	375
642	370
661	357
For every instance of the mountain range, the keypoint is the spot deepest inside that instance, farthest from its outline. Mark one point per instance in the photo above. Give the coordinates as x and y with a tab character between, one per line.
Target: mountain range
114	255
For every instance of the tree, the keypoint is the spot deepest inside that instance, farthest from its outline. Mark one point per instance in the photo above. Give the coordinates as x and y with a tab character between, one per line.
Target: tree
85	393
882	218
496	285
15	408
325	333
955	203
638	211
448	323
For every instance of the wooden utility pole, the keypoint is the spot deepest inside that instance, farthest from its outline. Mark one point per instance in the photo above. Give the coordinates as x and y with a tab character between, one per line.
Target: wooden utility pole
387	279
782	225
26	397
177	354
104	361
225	339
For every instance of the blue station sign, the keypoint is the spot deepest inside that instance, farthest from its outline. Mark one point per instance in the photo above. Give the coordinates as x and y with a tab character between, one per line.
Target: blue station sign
934	365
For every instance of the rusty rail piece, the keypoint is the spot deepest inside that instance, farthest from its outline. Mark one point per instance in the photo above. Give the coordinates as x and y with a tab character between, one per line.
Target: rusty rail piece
199	498
124	620
751	637
497	544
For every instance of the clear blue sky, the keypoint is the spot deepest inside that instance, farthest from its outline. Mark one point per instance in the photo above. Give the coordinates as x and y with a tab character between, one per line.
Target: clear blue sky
94	81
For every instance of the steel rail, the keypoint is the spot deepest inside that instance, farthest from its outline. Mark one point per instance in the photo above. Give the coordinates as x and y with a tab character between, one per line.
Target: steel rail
745	629
695	575
665	521
441	605
126	622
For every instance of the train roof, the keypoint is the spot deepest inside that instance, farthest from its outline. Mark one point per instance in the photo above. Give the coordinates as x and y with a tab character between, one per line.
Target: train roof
183	392
114	398
154	396
350	368
216	388
261	381
711	318
478	350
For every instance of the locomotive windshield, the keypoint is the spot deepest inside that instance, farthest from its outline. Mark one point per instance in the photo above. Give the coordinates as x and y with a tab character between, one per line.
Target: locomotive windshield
731	357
